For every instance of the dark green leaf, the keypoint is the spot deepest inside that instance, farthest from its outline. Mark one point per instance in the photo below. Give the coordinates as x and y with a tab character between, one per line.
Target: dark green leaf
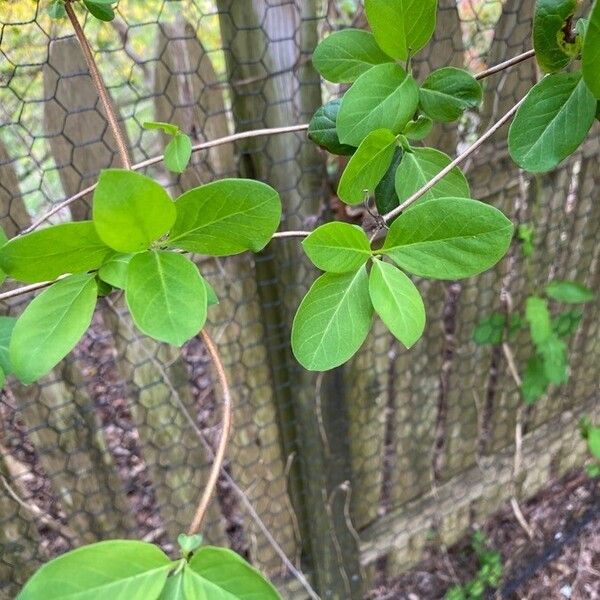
384	97
56	9
534	382
367	167
51	326
101	10
44	255
448	238
7	325
591	51
401	28
386	198
550	20
178	153
446	93
569	292
593	440
423	164
114	270
168	128
166	296
104	289
418	129
337	247
333	320
398	302
566	323
490	331
344	55
226	575
538	317
552	122
226	217
130	210
119	570
322	129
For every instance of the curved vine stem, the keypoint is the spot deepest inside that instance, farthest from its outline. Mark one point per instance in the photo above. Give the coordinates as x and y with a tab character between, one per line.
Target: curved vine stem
225	430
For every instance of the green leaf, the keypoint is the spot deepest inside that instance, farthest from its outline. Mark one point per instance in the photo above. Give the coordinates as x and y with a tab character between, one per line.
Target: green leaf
526	235
344	55
114	270
418	129
104	289
226	217
448	238
569	292
538	317
178	153
554	353
211	297
174	589
3	240
333	320
118	569
7	325
490	331
56	9
549	23
168	128
420	166
566	323
401	27
130	210
591	51
101	10
44	255
446	93
337	247
226	575
534	382
386	198
189	543
552	122
322	129
51	326
593	440
384	97
166	296
367	167
398	302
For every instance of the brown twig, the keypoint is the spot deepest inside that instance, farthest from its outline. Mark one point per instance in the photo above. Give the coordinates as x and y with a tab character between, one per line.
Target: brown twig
98	82
511	62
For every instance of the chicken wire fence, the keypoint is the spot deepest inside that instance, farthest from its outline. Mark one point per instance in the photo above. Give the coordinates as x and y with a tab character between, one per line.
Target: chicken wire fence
349	474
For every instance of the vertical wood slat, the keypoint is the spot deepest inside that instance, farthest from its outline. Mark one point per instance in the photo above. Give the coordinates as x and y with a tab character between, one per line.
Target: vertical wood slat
191	97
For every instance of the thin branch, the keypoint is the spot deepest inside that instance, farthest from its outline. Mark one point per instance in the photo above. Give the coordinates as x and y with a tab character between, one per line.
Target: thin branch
219	457
511	62
457	161
98	82
157	159
290	234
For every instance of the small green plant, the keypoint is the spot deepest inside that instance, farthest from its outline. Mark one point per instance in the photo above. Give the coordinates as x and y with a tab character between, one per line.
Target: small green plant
591	434
488	576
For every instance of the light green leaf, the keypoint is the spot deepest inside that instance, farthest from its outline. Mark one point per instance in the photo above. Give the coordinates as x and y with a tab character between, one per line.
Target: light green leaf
332	321
397	301
168	128
178	153
446	93
56	9
166	296
2	379
344	55
3	240
569	292
448	238
534	382
226	217
51	326
114	270
552	122
367	167
7	325
418	129
554	353
119	570
337	247
230	575
386	198
591	51
593	440
130	210
173	589
101	10
211	296
322	129
549	22
420	166
538	317
401	27
384	97
45	254
189	543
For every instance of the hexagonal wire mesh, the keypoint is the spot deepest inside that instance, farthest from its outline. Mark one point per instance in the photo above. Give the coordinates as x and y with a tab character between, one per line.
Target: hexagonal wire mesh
346	470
